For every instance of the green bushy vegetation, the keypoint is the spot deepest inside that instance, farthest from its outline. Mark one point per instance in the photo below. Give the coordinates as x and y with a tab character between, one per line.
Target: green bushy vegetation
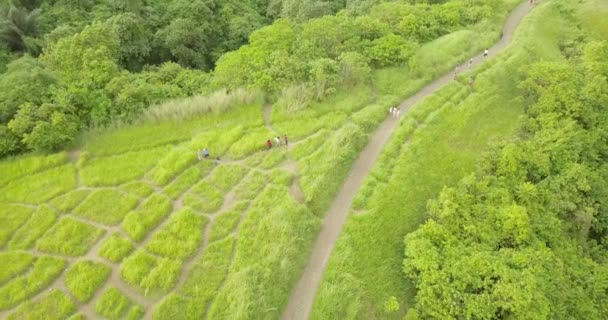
204	198
43	272
114	305
40	221
85	277
27	165
69	237
107	206
54	305
115	248
180	237
139	222
150	273
251	186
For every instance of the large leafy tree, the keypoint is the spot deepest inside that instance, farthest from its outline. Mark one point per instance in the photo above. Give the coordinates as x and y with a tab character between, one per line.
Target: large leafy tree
18	27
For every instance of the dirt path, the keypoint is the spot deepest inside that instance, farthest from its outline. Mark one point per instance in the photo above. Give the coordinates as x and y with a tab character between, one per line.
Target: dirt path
302	297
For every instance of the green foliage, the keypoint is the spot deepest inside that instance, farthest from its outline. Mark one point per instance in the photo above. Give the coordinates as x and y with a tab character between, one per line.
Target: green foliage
225	177
69	238
42	273
39	188
137	223
54	305
85	277
188	179
180	237
150	273
107	206
251	186
39	222
115	248
14	264
114	305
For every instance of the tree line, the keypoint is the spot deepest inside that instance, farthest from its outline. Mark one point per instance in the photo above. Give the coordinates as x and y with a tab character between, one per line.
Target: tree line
71	65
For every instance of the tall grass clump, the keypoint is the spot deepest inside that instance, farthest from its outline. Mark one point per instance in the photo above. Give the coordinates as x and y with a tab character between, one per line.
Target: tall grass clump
34	228
54	305
115	248
21	166
217	102
114	305
138	223
41	187
42	273
13	217
85	278
107	206
69	238
14	263
180	237
150	273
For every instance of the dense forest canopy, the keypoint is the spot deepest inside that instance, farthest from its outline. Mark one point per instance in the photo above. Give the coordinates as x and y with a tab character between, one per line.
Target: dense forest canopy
526	238
71	65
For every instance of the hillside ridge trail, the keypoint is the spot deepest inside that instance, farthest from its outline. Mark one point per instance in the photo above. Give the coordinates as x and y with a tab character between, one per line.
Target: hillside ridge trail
299	306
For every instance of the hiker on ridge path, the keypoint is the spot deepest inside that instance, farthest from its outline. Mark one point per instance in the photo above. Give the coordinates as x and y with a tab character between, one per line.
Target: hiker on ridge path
269	144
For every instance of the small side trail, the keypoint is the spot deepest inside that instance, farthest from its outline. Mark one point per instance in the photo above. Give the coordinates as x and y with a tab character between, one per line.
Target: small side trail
299	306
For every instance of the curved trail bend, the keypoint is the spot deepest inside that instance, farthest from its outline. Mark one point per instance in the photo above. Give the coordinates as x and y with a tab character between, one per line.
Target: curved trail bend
302	297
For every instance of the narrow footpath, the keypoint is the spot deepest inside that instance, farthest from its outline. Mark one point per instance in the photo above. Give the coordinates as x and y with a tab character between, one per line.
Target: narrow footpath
302	297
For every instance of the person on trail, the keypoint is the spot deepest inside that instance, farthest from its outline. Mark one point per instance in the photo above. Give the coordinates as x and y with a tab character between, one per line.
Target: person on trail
485	53
391	111
398	113
206	153
501	35
269	144
199	155
277	141
471	82
471	63
286	141
456	72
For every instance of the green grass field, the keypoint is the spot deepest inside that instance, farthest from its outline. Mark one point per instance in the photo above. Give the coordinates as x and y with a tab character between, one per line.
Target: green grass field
438	143
131	223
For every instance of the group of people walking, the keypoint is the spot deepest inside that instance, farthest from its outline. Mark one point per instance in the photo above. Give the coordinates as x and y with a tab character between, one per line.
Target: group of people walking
395	112
278	142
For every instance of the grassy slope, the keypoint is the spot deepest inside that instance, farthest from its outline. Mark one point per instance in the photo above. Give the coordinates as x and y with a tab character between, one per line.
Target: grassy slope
365	269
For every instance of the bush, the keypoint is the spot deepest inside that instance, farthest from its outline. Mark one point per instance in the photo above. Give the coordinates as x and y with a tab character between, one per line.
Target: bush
150	273
114	305
13	217
34	228
54	305
180	238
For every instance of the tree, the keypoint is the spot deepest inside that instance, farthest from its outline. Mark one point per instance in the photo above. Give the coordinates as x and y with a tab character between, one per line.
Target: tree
134	41
17	27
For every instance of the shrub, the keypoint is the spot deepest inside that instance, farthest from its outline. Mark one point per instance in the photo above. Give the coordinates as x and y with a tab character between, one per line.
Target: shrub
86	277
107	206
28	165
204	198
33	229
69	237
209	272
153	210
225	177
54	305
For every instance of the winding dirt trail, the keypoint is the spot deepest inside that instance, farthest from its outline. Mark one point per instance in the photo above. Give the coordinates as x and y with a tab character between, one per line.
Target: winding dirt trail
302	297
